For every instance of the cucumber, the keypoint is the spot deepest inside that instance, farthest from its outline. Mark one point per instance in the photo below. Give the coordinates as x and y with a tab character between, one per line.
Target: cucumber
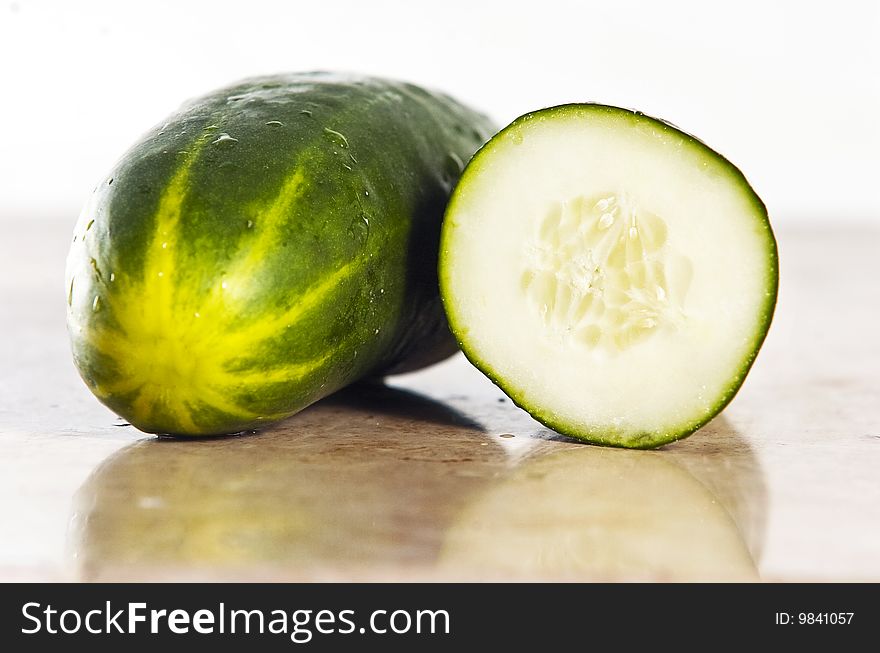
612	274
271	243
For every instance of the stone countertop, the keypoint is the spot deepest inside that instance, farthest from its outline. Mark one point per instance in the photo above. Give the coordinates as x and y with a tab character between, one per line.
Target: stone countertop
438	476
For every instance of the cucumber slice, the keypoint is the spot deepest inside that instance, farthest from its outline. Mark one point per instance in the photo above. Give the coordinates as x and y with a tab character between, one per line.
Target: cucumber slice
612	274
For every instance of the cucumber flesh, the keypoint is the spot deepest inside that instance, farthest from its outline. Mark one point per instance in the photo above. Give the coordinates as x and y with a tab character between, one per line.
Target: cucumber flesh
613	275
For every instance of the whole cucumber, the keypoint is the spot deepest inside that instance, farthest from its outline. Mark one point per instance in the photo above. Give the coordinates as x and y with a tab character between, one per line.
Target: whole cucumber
270	243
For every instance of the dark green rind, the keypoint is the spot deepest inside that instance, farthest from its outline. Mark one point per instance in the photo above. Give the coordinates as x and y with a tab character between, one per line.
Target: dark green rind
647	440
400	157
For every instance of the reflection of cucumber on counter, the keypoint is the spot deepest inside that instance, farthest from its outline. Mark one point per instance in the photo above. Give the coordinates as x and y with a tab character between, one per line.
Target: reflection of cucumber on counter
600	514
271	243
615	276
342	490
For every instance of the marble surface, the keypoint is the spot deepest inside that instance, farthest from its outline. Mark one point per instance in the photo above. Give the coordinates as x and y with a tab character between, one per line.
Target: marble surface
438	476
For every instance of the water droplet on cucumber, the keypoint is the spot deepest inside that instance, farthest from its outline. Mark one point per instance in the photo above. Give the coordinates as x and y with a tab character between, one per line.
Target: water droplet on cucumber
359	229
95	267
335	137
224	138
452	167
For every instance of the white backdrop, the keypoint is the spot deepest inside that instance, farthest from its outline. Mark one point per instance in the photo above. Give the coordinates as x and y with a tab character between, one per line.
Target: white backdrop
789	91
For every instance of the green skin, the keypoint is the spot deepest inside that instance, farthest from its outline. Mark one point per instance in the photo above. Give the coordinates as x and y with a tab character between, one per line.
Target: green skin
271	243
496	148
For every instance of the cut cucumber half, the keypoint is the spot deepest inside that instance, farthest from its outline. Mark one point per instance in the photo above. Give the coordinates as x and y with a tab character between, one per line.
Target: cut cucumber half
613	275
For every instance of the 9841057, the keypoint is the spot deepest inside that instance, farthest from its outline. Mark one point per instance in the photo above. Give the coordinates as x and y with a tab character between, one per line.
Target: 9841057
814	618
